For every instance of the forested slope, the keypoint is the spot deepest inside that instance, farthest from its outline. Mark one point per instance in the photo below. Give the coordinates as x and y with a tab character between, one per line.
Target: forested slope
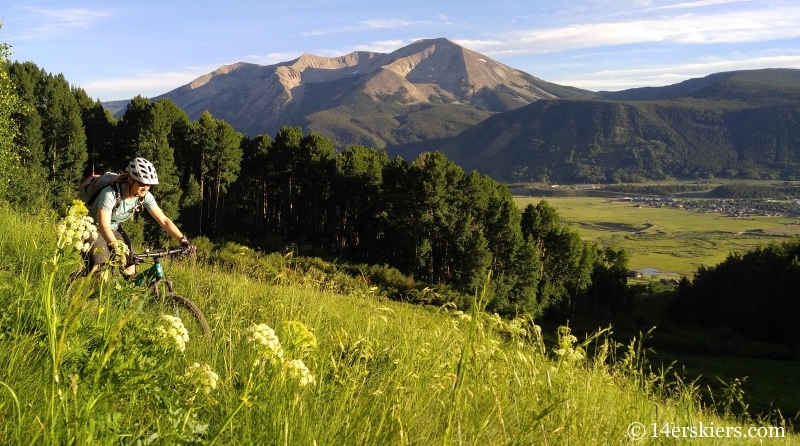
736	124
605	141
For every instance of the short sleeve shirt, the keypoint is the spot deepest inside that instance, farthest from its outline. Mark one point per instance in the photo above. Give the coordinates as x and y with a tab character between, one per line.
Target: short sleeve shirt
124	211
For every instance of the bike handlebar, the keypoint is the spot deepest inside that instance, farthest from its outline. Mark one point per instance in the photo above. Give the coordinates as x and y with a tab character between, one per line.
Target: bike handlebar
160	253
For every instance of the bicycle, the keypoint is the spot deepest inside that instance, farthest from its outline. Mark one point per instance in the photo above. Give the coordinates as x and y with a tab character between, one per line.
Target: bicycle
155	277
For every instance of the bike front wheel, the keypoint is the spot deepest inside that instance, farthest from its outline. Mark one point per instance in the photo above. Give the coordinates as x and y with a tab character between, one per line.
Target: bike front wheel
182	302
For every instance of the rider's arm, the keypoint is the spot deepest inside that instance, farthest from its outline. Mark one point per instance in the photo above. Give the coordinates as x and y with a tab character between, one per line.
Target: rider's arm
104	227
165	223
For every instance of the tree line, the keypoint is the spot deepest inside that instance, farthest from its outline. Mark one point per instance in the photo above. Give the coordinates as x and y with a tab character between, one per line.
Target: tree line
754	294
427	218
743	190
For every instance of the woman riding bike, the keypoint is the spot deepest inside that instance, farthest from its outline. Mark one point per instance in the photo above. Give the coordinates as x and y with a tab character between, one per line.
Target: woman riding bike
117	203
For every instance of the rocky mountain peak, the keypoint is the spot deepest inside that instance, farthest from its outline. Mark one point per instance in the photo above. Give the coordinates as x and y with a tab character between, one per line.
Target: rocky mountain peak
259	99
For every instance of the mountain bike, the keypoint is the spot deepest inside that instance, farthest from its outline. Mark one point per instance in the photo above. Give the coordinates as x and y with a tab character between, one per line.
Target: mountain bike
154	277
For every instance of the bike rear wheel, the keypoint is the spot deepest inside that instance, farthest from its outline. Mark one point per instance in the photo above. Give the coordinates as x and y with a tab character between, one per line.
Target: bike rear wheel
182	302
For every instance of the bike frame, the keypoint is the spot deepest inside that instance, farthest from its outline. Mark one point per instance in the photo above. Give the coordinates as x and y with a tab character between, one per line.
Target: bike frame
154	275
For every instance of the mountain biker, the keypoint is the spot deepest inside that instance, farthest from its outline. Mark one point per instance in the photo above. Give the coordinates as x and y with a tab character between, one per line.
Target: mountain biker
133	188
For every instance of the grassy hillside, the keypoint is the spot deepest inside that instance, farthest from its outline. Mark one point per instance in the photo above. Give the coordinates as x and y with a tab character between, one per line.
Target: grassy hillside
383	372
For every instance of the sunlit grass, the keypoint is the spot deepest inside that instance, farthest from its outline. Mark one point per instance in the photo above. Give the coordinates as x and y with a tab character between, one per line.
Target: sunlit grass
383	372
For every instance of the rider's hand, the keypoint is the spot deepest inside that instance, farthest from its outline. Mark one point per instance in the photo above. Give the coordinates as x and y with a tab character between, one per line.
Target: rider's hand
188	248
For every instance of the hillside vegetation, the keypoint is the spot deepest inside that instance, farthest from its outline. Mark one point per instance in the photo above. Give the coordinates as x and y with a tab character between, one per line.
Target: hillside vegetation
90	363
737	125
753	294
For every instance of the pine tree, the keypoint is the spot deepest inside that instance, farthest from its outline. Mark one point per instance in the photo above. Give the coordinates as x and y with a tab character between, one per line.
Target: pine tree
99	125
9	130
62	128
217	153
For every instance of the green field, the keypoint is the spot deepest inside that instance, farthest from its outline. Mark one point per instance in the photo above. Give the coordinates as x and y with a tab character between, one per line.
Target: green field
86	363
672	240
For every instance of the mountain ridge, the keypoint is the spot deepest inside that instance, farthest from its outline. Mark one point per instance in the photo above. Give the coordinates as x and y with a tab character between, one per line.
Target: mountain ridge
426	73
739	125
437	95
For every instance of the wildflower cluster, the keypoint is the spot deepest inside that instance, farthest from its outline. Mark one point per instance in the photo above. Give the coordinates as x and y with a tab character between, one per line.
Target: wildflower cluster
266	343
302	341
174	330
298	370
461	316
119	253
76	229
566	346
202	377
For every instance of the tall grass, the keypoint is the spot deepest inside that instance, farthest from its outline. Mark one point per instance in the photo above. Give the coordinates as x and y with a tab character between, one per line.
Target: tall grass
384	372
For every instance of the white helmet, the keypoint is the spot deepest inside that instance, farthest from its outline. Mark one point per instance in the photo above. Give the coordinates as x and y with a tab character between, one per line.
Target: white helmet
143	171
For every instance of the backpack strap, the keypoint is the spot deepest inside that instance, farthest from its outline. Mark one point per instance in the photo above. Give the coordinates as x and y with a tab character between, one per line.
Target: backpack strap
117	196
119	189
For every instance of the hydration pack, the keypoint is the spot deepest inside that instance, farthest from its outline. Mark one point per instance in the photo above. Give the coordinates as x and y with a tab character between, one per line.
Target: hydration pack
91	186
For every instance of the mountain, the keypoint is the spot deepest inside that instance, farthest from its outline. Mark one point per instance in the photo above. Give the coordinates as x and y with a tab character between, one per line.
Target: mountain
745	81
736	124
427	90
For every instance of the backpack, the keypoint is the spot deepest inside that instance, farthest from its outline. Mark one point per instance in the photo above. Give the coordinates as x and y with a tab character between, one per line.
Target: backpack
91	186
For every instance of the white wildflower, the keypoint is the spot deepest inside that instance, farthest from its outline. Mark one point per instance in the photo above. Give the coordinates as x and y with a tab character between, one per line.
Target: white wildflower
202	377
76	228
567	349
516	328
298	370
461	316
174	330
265	341
119	253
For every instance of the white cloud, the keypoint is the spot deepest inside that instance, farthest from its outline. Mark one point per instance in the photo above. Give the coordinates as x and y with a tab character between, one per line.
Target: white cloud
148	84
271	58
473	44
726	27
659	75
366	25
56	21
697	4
391	23
383	46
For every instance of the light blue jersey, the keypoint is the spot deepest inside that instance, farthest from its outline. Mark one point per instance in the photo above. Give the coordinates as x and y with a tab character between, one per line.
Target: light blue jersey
124	211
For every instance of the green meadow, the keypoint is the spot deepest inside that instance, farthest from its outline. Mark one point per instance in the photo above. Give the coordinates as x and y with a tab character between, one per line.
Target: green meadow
672	240
312	359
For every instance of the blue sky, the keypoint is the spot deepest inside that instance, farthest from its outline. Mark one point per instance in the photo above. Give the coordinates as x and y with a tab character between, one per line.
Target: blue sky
116	50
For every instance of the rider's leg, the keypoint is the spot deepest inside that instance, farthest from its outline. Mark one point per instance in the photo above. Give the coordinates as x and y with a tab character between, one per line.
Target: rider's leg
98	255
